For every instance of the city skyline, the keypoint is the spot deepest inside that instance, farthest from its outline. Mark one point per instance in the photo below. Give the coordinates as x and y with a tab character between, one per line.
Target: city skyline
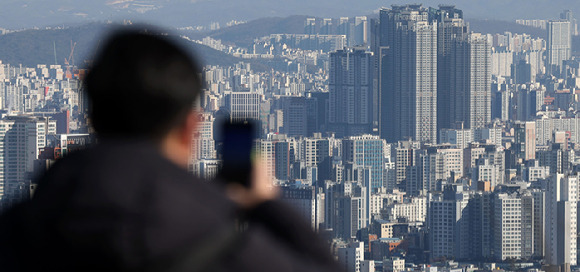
410	141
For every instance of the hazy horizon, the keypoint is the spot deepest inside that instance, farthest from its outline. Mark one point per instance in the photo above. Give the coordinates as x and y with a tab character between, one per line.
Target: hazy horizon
179	13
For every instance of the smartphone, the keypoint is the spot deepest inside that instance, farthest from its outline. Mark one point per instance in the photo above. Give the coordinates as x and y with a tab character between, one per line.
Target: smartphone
237	152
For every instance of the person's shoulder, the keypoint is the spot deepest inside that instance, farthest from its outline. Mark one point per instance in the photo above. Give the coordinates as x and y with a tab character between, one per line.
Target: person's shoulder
112	158
78	164
125	169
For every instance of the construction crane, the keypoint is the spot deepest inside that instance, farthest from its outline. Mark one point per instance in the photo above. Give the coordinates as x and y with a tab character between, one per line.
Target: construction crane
70	61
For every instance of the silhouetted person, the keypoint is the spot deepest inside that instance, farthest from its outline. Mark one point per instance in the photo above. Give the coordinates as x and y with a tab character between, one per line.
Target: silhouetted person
129	204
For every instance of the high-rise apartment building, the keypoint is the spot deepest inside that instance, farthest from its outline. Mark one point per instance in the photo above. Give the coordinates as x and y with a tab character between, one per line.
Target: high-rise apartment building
351	256
477	110
483	159
529	102
507	223
310	26
405	154
449	230
266	148
21	138
459	138
306	201
394	264
315	152
361	30
436	164
284	157
488	135
412	209
480	218
547	127
556	157
451	31
464	82
561	220
345	28
534	172
350	87
408	71
317	103
525	140
433	73
294	117
326	27
568	15
559	45
243	106
475	225
203	144
366	151
539	222
484	171
352	210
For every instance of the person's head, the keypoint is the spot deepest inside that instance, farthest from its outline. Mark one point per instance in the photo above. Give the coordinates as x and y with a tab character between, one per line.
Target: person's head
142	85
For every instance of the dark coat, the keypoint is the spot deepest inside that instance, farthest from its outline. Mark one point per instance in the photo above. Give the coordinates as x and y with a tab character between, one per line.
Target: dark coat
122	206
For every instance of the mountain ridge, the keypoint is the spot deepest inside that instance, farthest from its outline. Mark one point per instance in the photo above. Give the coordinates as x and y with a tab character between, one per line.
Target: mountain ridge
38	46
17	14
243	35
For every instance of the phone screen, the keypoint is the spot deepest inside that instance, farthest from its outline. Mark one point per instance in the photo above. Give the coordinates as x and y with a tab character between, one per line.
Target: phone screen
238	139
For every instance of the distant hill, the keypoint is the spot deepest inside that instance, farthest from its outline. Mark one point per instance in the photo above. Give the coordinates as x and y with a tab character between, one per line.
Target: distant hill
32	47
496	26
243	35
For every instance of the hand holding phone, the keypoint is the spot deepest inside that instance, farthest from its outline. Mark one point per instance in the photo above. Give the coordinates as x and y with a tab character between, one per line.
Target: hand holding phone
237	152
